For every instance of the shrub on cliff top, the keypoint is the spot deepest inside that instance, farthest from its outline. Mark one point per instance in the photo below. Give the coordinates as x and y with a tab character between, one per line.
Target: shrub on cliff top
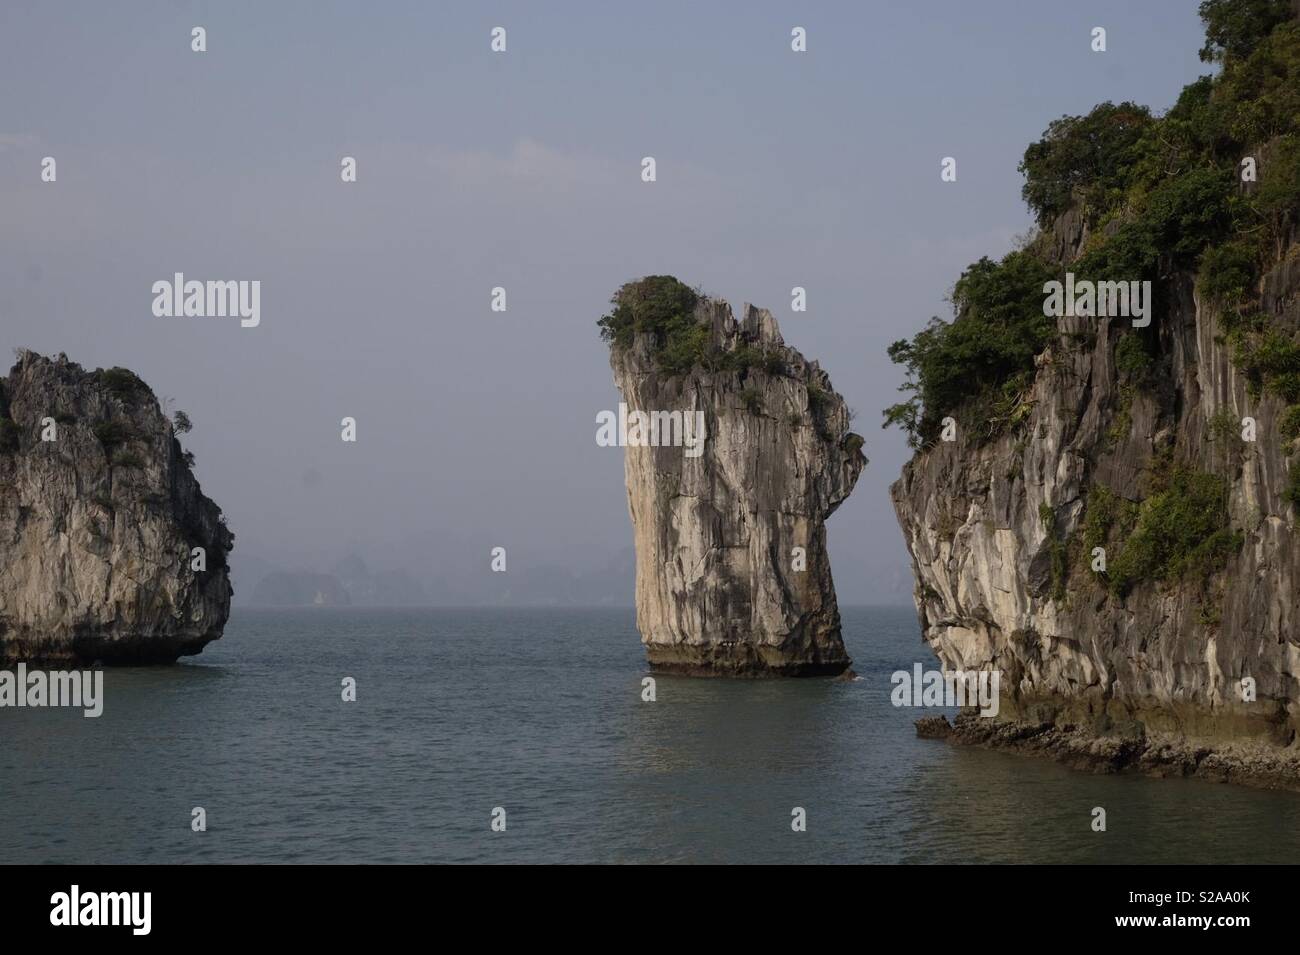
1162	193
748	356
122	383
998	328
1172	181
664	308
1180	217
1233	28
661	306
1090	155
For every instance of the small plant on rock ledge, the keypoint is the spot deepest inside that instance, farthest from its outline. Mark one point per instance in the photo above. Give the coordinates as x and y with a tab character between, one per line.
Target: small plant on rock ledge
1181	529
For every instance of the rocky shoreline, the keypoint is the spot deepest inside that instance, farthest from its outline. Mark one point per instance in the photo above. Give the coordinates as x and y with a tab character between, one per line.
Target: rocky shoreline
1163	755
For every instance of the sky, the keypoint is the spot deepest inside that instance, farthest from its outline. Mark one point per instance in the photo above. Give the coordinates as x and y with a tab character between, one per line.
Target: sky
521	169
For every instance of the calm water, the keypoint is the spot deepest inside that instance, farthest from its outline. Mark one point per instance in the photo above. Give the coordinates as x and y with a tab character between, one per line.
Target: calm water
539	712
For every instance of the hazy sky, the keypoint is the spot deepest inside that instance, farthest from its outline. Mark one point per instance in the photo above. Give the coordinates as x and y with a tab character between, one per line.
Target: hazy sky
521	170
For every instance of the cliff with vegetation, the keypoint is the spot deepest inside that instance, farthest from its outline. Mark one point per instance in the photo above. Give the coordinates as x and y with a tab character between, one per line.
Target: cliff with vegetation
732	574
100	519
1113	522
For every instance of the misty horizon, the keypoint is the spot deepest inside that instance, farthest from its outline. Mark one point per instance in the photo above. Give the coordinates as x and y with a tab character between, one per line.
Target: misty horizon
476	428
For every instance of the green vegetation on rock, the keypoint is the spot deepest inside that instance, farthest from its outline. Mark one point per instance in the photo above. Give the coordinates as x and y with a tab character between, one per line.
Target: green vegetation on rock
663	307
1292	492
1228	272
1105	512
1060	551
113	434
998	330
1133	359
1083	158
1233	28
1290	423
122	383
1268	357
1160	194
1181	529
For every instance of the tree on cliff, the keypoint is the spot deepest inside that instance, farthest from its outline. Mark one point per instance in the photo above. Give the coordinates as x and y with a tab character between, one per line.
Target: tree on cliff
1151	190
1206	196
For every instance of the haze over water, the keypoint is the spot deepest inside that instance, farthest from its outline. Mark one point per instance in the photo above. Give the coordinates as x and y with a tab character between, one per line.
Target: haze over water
540	712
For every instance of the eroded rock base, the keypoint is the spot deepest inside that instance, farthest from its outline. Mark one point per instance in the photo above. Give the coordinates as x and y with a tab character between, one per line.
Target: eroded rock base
116	650
743	660
1245	762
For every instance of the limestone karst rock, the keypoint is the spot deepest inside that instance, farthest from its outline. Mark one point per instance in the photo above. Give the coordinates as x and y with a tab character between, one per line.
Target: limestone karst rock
99	525
999	537
1121	543
732	576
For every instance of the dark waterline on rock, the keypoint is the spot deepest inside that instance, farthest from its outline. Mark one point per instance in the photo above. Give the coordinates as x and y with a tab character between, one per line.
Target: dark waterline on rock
540	712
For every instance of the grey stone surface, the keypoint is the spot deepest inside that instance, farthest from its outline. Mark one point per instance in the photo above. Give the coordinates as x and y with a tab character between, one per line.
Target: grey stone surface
1168	657
95	556
716	588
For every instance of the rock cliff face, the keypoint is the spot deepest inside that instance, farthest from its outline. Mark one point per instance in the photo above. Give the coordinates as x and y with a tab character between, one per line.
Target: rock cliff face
1112	524
722	587
994	530
98	525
